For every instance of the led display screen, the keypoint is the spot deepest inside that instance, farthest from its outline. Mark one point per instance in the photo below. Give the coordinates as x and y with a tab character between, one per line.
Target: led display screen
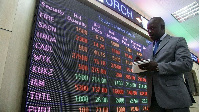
81	61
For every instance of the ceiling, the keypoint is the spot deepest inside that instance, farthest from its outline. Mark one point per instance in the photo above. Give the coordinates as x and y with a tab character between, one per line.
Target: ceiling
188	29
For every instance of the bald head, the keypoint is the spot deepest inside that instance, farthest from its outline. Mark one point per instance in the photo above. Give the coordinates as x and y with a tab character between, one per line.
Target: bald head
158	20
156	28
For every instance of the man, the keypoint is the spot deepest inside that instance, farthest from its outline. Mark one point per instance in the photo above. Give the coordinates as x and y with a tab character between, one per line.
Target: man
165	84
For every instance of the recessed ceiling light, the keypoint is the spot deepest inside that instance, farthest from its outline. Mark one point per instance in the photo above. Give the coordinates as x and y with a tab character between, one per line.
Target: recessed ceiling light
187	12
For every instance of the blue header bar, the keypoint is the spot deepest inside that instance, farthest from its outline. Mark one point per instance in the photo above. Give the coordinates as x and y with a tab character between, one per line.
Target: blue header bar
124	10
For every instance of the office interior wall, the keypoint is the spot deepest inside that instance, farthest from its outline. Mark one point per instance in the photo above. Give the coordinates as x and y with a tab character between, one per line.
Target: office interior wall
195	70
15	25
7	15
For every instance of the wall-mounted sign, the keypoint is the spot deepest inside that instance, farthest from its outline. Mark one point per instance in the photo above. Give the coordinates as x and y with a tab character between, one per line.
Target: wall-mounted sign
126	11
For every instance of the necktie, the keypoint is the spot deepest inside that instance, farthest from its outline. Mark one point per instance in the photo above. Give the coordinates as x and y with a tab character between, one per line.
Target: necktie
156	46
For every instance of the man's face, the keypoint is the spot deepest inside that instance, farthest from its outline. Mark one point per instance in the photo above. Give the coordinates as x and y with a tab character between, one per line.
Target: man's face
155	30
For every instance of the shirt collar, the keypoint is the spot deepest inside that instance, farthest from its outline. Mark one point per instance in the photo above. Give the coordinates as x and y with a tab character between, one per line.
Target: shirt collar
163	36
160	39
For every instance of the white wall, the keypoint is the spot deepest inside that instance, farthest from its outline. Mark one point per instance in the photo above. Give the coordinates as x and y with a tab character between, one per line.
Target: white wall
15	24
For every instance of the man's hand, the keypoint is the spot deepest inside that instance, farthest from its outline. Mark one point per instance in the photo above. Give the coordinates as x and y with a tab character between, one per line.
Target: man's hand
137	59
151	66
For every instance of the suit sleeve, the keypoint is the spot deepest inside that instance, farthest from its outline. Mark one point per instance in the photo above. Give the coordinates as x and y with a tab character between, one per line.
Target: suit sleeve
182	60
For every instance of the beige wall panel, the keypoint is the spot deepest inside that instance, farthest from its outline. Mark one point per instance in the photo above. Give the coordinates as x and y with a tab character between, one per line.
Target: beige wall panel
4	37
196	77
7	13
196	69
14	72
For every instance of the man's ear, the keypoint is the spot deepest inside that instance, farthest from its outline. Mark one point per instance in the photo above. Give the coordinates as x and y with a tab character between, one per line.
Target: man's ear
163	27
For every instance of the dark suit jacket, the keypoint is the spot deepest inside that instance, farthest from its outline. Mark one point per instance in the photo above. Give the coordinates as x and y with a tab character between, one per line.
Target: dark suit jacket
173	58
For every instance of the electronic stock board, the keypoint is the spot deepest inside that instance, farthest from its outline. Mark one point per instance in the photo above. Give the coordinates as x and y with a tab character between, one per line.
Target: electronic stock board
81	61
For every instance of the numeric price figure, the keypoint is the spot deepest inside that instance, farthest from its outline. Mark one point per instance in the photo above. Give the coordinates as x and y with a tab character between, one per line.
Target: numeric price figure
83	109
100	89
121	109
102	109
135	109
